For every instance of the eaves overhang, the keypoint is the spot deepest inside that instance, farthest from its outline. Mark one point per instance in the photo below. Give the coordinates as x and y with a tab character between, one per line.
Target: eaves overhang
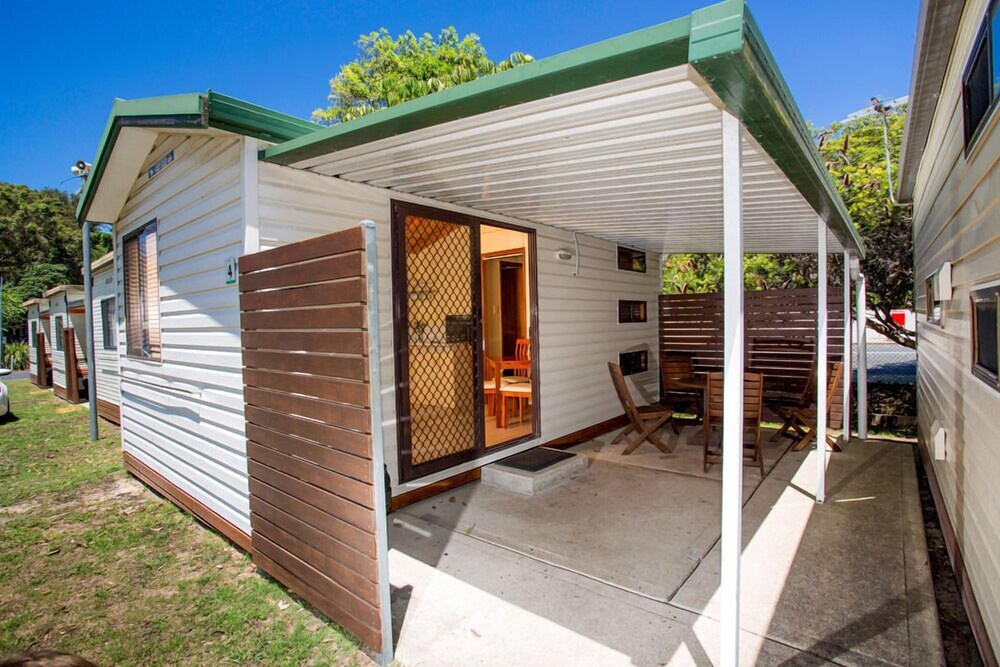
722	43
190	110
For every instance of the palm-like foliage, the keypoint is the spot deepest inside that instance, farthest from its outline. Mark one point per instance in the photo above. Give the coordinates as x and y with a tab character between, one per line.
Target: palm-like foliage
391	71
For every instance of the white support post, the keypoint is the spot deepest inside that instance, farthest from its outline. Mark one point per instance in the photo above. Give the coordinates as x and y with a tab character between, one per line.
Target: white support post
732	398
862	297
821	361
848	348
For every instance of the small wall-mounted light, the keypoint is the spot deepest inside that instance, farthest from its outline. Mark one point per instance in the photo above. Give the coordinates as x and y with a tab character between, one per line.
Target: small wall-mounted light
564	255
855	269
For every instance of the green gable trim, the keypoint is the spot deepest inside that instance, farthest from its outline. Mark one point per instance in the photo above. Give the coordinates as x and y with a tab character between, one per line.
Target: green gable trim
748	82
648	50
191	110
233	115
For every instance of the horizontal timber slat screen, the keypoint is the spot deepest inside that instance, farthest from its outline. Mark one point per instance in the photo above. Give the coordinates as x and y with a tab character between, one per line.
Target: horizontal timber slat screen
308	426
780	336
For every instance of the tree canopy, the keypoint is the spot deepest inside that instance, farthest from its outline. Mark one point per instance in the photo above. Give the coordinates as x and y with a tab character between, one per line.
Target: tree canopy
41	245
389	71
854	152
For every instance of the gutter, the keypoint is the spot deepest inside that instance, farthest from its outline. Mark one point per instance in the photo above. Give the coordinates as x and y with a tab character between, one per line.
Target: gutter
937	28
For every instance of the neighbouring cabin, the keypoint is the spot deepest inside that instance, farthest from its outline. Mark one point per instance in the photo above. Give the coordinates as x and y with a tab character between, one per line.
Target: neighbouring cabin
39	353
104	303
951	173
68	335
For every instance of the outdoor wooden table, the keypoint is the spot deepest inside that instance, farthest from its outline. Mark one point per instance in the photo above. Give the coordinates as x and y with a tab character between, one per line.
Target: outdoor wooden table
501	364
697	382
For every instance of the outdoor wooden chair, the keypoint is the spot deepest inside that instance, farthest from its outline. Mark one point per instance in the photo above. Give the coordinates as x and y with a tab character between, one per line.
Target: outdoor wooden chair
674	370
643	420
804	419
784	404
753	407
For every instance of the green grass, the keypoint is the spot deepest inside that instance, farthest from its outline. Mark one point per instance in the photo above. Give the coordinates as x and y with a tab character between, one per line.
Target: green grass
92	563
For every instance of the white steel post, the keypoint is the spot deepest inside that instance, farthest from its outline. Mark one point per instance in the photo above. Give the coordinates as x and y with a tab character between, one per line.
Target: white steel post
848	348
821	362
862	297
732	398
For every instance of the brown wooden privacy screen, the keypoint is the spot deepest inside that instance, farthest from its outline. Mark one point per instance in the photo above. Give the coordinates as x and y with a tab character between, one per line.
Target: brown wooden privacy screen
780	337
310	448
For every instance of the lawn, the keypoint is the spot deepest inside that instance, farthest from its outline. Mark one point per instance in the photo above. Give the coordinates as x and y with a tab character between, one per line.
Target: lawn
93	563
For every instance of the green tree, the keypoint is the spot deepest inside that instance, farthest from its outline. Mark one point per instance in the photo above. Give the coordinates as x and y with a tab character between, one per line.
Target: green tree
40	244
389	71
855	156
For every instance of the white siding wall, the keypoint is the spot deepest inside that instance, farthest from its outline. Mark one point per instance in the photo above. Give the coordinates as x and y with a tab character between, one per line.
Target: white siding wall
105	361
57	313
578	325
957	219
183	416
33	322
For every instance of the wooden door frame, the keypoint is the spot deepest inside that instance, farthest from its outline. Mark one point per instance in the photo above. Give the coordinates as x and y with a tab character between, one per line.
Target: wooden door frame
399	210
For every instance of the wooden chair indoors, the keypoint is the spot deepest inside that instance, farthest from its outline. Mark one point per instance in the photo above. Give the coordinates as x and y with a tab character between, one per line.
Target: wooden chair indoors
517	385
675	369
490	385
804	419
643	420
753	407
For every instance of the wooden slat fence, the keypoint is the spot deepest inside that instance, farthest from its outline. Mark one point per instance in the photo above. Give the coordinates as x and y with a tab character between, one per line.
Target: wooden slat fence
780	336
309	428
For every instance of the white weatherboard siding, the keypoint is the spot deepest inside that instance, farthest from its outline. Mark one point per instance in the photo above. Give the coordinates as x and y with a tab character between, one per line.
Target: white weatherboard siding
34	324
105	361
58	313
578	316
956	213
183	417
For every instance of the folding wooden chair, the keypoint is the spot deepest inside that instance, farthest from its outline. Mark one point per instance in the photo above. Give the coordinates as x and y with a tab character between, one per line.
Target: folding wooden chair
783	405
644	420
674	369
753	406
804	419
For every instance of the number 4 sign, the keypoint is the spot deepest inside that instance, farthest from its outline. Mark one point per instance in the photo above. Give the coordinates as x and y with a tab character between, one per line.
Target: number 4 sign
231	271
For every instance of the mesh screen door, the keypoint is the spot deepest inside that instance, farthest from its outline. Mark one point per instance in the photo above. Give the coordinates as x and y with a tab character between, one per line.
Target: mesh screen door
437	328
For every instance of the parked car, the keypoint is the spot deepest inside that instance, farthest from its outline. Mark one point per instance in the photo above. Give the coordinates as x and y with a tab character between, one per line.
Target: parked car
4	397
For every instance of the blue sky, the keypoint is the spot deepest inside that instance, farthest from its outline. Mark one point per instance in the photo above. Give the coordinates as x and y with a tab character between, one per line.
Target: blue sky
65	62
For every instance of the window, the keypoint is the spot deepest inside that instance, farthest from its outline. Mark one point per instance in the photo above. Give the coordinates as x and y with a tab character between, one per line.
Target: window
58	322
142	294
34	333
631	311
933	305
633	362
984	335
981	81
108	327
631	260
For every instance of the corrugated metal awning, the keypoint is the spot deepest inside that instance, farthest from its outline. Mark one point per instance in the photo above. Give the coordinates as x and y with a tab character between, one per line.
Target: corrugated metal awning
621	140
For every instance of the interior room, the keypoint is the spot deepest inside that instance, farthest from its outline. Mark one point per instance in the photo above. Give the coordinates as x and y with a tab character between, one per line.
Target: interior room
506	343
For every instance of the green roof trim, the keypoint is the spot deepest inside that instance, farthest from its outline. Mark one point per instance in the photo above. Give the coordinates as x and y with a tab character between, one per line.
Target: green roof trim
193	110
648	50
748	82
721	42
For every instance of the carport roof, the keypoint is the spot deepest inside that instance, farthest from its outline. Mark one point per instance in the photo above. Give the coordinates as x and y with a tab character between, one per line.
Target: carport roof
619	139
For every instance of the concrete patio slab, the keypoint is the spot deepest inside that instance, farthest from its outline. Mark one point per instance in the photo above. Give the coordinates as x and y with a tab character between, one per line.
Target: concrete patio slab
619	565
640	529
848	579
458	601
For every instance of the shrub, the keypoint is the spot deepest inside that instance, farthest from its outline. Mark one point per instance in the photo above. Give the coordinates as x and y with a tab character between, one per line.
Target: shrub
15	356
